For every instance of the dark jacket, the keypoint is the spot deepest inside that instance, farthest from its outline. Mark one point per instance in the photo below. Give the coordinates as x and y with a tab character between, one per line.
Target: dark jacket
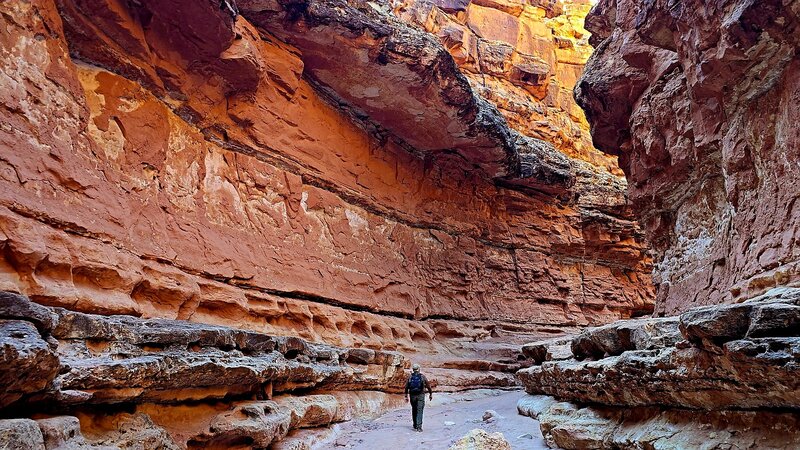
425	385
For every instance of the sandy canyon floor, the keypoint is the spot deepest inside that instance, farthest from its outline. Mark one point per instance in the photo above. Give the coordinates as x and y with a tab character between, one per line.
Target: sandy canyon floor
447	418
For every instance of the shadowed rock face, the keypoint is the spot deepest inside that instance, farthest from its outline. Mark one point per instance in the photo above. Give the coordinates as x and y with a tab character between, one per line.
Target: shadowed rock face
414	87
698	100
723	376
568	426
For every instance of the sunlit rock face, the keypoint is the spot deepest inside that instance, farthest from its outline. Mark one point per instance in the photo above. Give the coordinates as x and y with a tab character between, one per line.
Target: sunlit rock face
234	221
231	221
698	99
195	195
212	168
524	57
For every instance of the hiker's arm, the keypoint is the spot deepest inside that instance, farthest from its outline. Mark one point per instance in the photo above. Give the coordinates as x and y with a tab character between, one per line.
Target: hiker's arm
428	385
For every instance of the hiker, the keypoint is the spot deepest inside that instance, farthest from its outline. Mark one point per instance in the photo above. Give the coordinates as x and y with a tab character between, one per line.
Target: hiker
416	385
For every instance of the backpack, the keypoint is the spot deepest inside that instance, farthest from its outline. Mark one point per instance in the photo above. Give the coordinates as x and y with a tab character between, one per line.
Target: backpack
415	383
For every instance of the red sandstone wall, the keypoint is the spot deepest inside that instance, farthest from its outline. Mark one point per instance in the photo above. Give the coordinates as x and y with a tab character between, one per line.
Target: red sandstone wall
160	166
699	100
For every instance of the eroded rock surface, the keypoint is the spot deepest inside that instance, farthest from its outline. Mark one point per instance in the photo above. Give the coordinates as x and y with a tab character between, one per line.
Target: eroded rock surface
568	426
668	387
235	385
524	57
26	360
219	206
698	101
219	169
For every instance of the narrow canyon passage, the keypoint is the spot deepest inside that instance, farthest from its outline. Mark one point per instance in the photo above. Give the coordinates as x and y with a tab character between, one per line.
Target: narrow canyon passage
238	224
447	420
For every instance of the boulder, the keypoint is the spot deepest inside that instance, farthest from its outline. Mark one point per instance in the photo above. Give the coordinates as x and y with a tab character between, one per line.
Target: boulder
490	416
64	433
478	439
621	336
548	350
533	405
20	434
27	362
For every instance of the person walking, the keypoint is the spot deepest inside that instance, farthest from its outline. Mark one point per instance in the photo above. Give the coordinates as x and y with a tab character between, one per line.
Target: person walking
416	386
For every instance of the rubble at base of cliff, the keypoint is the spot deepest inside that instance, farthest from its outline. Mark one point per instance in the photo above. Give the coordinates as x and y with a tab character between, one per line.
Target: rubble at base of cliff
711	377
92	381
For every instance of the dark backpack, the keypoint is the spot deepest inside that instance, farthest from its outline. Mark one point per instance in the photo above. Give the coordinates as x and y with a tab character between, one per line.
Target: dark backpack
415	383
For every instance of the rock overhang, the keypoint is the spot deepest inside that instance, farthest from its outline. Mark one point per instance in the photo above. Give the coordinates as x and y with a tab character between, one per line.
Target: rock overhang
403	79
393	75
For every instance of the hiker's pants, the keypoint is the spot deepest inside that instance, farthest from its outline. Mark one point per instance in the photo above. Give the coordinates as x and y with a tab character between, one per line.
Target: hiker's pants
417	405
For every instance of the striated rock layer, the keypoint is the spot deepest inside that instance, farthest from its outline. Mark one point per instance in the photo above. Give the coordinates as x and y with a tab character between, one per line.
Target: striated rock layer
237	219
525	58
714	376
569	426
698	99
318	169
123	382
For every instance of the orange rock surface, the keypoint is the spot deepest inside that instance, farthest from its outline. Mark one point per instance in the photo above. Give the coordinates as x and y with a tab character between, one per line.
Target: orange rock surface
525	57
172	160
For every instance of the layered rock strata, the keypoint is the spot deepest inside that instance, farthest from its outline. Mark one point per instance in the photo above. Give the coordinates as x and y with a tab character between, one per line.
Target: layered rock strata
699	102
654	381
569	426
211	203
525	58
208	170
108	381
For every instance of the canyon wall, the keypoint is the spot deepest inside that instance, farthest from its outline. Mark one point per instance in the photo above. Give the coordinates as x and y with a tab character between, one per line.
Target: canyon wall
233	224
699	100
323	171
715	377
525	58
